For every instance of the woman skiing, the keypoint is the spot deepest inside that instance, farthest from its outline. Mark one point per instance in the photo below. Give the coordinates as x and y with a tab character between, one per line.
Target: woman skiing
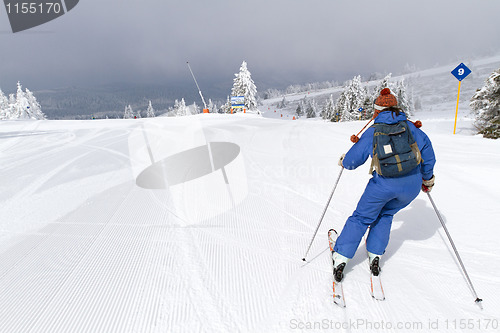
384	196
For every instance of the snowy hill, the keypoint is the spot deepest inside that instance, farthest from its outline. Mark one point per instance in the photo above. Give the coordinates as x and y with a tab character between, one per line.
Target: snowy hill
436	89
93	239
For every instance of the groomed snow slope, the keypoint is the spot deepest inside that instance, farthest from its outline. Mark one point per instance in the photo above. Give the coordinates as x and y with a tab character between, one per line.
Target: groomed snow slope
84	249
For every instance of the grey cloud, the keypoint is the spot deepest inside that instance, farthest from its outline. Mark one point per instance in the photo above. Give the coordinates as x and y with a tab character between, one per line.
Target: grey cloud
283	41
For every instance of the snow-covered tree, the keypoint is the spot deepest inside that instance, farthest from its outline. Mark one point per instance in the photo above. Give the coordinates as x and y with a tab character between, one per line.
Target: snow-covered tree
311	109
350	100
272	93
4	106
404	100
383	84
410	68
327	110
129	114
299	110
485	105
20	108
400	90
150	112
243	85
194	109
302	106
338	109
282	104
367	106
226	107
12	102
180	108
212	107
35	110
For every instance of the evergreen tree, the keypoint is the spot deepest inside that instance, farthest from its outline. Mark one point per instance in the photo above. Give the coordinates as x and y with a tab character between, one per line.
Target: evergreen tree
12	103
404	101
21	106
195	109
311	109
328	107
302	107
350	101
226	107
282	104
129	114
35	110
355	98
212	107
485	105
4	106
243	85
338	109
367	106
383	84
299	111
150	112
180	108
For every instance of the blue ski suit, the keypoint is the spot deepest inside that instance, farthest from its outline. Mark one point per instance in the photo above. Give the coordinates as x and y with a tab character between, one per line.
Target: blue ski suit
383	196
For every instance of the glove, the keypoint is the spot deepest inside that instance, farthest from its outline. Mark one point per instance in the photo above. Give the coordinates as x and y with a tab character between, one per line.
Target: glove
428	184
341	159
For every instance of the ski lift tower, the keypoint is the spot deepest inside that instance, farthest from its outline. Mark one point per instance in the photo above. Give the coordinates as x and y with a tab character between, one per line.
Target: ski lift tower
205	108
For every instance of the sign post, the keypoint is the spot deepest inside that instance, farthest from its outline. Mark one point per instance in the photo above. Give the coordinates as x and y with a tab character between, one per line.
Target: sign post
460	72
360	110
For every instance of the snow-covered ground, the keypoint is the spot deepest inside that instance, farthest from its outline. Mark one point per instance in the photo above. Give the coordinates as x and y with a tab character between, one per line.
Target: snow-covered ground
84	248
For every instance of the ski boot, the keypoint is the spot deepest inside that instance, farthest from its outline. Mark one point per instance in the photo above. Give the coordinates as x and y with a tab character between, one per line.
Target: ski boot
339	262
374	263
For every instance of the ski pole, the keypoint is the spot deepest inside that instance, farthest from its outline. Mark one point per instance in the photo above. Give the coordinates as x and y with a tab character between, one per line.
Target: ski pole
355	138
324	212
478	300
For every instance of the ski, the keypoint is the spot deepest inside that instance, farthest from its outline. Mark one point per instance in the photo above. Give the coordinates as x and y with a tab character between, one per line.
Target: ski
377	291
338	290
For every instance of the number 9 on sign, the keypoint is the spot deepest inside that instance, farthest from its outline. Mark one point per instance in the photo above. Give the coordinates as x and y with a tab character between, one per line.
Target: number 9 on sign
461	72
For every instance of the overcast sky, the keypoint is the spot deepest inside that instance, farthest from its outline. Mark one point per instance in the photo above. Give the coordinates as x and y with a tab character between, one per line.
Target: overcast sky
283	41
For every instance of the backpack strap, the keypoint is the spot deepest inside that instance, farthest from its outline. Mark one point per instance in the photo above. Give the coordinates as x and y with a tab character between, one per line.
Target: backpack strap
375	165
414	146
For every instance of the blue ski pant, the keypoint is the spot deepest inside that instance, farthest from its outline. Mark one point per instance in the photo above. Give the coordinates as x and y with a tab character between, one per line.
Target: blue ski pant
383	197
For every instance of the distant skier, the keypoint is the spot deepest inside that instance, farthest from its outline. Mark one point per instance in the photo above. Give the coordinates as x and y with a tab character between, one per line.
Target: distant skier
396	182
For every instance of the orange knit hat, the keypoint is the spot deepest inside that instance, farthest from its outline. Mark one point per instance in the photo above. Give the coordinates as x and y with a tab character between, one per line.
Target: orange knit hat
385	100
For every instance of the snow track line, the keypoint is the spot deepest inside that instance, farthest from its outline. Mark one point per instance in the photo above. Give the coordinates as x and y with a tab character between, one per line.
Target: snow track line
110	315
148	145
288	214
33	187
11	143
205	291
44	302
68	145
71	273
